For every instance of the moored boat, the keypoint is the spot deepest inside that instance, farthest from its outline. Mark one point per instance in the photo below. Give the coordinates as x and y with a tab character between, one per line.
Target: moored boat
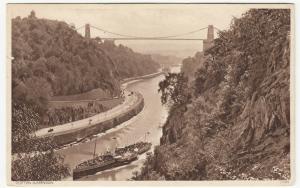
139	148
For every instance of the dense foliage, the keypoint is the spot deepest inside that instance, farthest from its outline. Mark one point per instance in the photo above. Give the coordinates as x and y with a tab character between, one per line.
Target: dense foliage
25	121
174	89
127	62
50	58
166	60
191	64
58	116
41	167
237	125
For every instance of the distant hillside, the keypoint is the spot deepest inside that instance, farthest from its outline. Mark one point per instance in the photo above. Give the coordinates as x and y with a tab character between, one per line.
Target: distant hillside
127	62
191	64
166	60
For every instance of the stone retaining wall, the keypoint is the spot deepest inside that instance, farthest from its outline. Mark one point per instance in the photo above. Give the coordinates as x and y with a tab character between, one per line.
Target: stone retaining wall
80	134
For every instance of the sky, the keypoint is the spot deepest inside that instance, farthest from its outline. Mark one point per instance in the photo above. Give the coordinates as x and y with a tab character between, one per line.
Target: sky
147	20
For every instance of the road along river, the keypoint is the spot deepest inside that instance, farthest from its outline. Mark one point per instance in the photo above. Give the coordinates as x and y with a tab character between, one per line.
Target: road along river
146	126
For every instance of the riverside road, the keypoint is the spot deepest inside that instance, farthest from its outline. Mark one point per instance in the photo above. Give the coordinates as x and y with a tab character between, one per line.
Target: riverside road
129	100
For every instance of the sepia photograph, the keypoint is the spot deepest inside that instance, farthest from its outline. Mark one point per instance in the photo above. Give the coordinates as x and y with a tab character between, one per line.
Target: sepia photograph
193	93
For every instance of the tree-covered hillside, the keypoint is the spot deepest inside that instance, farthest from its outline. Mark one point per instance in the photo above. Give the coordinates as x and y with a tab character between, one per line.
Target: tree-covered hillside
166	60
191	64
237	124
50	58
127	62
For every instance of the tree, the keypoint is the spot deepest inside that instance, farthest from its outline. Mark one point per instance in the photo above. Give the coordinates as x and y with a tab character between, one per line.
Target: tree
24	121
32	14
174	89
42	166
98	39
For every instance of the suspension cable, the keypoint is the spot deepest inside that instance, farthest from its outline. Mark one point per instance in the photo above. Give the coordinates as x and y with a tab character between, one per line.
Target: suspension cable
128	37
159	37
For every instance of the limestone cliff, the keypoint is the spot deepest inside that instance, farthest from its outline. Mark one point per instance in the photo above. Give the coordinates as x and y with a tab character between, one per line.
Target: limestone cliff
237	126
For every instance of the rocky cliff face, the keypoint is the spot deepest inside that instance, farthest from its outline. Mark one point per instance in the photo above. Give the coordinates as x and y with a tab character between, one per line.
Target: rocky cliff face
238	124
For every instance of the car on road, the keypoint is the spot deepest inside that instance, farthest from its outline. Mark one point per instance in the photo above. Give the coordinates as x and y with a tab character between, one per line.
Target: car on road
148	153
50	130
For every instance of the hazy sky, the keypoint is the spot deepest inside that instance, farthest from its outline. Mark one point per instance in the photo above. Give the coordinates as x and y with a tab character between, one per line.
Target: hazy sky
142	20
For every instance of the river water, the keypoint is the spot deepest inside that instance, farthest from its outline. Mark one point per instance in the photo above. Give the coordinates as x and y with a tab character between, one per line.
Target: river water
146	126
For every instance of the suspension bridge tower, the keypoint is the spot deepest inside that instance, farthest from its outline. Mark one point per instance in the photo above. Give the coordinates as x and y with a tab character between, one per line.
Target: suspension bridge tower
87	31
209	42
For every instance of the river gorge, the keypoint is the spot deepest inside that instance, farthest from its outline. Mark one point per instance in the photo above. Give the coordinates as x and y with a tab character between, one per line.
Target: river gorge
146	126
